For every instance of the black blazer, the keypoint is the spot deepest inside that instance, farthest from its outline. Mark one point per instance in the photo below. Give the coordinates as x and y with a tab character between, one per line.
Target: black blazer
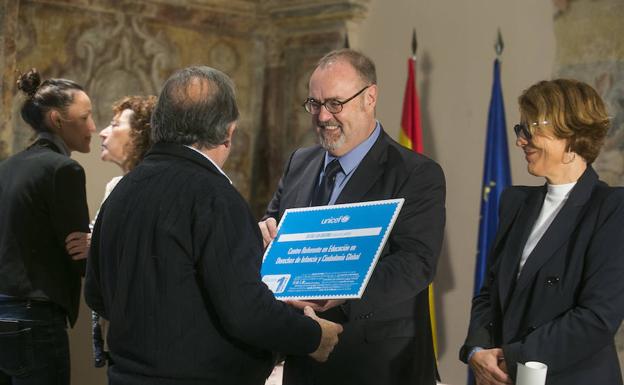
387	337
42	201
568	301
175	266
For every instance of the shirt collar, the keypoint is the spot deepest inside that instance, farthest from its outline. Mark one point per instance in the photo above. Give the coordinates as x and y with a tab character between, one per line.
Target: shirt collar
211	161
560	190
58	142
350	160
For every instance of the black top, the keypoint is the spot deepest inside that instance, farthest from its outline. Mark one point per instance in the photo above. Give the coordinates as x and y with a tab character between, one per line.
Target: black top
175	266
42	201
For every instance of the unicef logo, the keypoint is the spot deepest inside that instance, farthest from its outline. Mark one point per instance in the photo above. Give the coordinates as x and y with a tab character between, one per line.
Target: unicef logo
340	219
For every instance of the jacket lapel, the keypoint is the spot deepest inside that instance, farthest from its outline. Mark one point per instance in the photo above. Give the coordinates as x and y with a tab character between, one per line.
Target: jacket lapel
518	236
307	181
560	229
367	172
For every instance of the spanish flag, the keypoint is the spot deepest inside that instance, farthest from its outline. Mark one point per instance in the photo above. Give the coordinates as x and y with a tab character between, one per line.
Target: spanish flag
411	130
411	137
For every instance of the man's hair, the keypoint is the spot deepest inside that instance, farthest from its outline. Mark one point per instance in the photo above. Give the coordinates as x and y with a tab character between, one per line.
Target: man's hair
362	64
195	106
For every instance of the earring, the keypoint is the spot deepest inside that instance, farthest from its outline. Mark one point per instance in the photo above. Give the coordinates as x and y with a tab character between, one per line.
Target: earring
570	155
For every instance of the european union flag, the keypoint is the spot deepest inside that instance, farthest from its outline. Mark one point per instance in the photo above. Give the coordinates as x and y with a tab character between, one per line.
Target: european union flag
496	176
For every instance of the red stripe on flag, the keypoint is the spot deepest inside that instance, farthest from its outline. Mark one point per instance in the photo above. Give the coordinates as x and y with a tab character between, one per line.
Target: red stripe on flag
411	128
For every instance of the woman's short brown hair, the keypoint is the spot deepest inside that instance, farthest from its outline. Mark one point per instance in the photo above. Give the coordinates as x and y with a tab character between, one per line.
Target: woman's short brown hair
575	110
140	127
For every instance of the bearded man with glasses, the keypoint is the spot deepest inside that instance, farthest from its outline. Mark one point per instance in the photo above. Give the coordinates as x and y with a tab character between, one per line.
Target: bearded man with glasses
387	334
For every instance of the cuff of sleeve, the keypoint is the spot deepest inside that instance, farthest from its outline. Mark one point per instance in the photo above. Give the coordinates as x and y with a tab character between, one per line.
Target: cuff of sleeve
314	341
472	352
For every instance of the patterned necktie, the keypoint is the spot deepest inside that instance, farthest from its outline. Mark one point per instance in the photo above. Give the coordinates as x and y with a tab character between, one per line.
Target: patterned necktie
324	190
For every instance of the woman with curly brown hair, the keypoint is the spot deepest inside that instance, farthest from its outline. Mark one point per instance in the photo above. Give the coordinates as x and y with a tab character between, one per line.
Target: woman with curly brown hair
124	142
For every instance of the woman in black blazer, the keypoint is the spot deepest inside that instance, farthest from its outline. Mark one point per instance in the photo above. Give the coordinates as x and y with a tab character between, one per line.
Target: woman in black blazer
44	225
555	289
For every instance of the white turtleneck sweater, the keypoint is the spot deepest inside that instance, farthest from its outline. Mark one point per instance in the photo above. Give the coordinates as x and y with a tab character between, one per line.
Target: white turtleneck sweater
555	199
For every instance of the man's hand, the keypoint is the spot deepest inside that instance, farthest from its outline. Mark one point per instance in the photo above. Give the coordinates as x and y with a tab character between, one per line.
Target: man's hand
487	368
268	228
329	336
77	245
317	305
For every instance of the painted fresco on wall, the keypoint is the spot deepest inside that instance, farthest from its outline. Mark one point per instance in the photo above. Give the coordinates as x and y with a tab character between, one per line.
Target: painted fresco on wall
113	54
267	48
589	48
588	51
110	55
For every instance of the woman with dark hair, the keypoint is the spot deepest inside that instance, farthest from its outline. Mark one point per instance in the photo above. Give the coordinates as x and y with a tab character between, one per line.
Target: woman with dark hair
124	142
44	225
555	290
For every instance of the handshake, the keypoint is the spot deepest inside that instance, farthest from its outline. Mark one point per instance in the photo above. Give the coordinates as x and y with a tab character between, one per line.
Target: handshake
329	330
329	335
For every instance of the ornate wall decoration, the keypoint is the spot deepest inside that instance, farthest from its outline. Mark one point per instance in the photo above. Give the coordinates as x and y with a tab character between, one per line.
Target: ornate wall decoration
224	57
589	48
120	56
586	50
111	56
268	48
8	30
116	48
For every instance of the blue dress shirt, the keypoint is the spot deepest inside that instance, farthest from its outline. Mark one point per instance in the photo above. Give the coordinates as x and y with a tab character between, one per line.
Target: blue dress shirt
349	163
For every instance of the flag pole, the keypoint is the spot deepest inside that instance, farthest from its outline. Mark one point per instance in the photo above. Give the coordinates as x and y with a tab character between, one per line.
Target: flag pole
496	175
432	312
414	44
499	45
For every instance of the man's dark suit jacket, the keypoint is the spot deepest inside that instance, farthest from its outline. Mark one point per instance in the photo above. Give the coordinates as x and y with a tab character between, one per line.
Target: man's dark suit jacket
42	201
387	333
175	266
568	301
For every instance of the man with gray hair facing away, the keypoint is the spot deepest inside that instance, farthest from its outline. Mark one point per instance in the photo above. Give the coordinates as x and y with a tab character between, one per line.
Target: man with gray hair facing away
175	257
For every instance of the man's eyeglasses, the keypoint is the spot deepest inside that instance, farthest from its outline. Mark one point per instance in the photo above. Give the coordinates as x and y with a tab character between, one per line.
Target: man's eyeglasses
332	106
522	130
